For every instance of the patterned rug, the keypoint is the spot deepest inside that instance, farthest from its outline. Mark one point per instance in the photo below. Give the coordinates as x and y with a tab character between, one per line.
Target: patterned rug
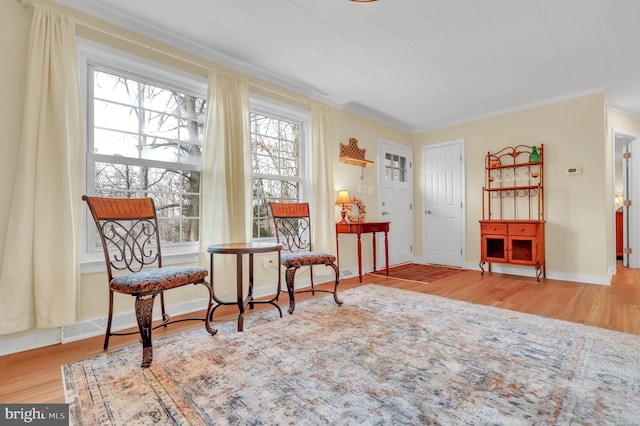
418	272
387	356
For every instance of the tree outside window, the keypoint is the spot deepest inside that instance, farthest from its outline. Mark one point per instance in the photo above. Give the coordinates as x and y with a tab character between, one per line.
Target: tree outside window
277	168
146	141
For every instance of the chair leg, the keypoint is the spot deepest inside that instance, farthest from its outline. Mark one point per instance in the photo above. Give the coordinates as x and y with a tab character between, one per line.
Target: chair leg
209	315
313	288
290	275
335	288
109	320
165	317
144	313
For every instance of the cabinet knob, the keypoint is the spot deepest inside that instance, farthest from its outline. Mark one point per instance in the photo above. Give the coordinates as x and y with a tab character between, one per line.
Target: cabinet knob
521	229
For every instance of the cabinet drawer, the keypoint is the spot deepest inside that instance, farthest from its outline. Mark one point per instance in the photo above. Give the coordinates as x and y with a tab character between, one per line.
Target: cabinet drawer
522	229
493	228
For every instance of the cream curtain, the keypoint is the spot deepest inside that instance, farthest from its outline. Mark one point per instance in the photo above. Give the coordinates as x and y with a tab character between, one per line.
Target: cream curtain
41	263
226	168
324	197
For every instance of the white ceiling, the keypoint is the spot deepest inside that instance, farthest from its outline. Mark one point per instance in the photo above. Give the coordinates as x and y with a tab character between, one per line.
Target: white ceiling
413	64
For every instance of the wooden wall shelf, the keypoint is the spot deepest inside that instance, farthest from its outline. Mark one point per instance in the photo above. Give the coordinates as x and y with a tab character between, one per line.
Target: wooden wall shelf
352	154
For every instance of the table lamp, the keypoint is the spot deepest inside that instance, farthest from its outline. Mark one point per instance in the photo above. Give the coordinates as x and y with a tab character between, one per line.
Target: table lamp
343	200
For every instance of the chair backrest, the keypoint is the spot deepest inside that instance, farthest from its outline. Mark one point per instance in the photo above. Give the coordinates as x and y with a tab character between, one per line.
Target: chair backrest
128	229
293	225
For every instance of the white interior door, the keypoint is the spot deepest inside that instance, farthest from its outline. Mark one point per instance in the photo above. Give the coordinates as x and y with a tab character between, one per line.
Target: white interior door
631	216
443	203
395	177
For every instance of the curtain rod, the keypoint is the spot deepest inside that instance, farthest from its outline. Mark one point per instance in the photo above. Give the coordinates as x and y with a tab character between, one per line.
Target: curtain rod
28	5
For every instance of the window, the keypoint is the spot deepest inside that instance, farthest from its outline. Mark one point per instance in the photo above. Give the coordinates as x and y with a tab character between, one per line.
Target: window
395	168
277	154
144	139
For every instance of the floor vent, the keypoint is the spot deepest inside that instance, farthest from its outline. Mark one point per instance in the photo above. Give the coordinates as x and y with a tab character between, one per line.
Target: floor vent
346	273
81	330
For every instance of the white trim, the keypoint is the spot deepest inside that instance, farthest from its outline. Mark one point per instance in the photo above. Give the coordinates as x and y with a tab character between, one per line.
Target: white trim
516	109
133	65
633	114
95	263
96	327
528	271
26	342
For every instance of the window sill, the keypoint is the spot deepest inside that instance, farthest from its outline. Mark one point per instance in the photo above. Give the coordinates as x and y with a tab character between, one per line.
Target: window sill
90	266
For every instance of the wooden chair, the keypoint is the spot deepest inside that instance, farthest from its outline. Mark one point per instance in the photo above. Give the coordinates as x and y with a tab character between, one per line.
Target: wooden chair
128	229
293	231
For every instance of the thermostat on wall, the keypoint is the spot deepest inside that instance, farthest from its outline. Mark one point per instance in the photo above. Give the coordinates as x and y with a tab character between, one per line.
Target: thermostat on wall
574	170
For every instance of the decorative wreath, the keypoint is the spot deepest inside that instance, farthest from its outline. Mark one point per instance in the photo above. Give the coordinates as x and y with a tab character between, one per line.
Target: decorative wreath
361	209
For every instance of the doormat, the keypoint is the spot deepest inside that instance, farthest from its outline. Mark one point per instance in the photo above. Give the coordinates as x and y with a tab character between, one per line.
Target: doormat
418	272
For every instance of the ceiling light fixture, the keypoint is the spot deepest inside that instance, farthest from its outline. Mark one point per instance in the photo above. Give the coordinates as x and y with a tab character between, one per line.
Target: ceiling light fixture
363	1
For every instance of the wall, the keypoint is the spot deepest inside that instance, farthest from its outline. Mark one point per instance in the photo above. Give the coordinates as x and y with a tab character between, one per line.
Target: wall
578	243
15	23
574	131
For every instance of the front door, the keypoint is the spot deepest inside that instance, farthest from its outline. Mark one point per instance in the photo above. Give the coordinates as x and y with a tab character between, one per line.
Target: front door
395	177
443	211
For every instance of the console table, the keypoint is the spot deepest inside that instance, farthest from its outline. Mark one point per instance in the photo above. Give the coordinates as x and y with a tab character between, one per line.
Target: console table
360	228
240	249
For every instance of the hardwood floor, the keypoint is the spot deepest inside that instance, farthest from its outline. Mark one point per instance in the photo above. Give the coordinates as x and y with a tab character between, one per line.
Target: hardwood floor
34	376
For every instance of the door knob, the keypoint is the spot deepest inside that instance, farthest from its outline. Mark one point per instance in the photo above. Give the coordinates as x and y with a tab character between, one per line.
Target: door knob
428	211
385	213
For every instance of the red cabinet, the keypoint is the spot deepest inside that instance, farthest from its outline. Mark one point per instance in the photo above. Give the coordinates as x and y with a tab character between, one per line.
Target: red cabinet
513	241
619	237
512	225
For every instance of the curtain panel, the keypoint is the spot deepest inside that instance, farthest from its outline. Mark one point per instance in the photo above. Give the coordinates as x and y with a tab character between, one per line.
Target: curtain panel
40	273
324	197
225	190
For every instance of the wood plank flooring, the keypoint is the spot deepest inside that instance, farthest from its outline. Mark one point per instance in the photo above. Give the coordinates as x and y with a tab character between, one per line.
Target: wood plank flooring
34	376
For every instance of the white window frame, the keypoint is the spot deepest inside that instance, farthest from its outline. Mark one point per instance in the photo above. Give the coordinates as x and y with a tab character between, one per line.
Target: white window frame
90	52
285	112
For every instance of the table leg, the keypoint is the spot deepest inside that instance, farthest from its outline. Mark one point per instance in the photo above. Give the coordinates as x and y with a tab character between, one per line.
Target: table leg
374	251
239	291
386	250
337	251
359	256
250	295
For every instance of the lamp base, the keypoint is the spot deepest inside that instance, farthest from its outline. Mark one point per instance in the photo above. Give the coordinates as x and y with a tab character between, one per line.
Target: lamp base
343	213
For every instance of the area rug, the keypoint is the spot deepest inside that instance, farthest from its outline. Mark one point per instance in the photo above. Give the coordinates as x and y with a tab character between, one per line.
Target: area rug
418	272
387	356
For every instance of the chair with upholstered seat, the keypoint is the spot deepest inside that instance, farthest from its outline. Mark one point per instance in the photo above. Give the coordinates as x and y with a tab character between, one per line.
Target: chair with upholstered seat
293	231
128	230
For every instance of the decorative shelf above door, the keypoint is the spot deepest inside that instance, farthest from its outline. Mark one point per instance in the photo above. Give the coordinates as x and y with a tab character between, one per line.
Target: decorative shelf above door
352	154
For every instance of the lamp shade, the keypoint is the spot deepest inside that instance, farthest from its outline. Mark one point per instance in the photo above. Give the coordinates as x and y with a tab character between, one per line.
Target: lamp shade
343	198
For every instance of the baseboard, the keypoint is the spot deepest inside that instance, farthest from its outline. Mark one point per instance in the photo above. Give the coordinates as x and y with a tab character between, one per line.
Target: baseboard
33	340
96	327
525	271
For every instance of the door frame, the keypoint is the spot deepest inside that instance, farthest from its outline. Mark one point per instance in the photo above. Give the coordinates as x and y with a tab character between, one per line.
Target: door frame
629	226
463	196
380	181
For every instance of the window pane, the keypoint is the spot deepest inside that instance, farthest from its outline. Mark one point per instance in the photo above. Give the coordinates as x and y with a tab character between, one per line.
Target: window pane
115	116
277	170
149	139
395	168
